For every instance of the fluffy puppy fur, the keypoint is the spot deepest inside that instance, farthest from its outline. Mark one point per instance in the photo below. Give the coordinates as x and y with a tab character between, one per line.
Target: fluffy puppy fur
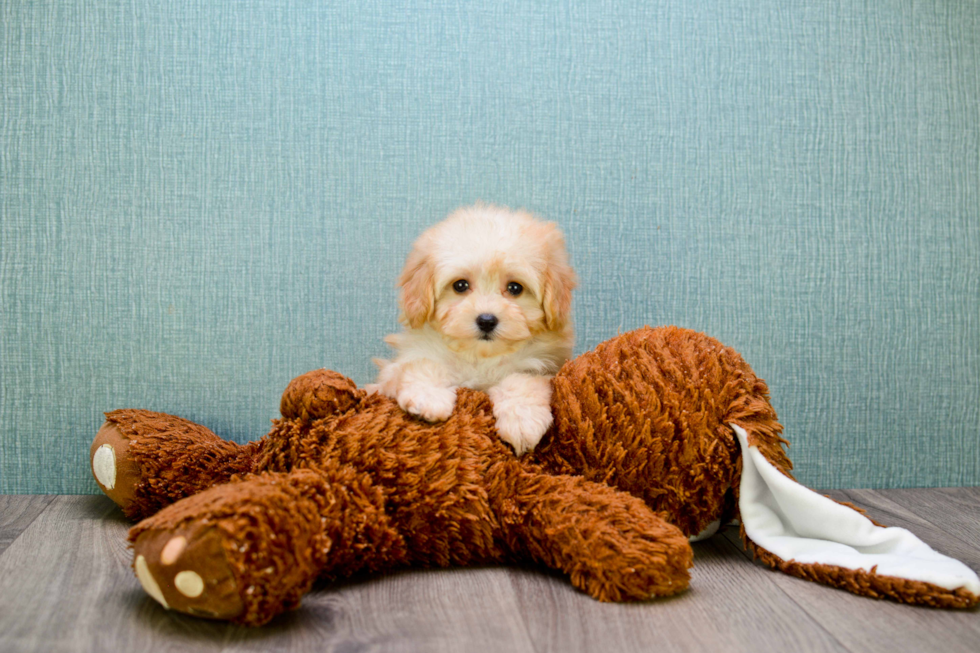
486	298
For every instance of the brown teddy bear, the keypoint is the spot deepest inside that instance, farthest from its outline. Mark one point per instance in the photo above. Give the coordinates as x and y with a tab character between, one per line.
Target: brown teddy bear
659	435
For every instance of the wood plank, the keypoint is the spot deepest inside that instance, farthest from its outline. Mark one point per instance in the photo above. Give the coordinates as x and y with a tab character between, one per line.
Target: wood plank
430	610
17	511
863	624
66	585
731	606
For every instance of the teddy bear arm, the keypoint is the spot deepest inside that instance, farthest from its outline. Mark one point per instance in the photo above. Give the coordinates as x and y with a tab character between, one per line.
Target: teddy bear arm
145	460
248	550
611	544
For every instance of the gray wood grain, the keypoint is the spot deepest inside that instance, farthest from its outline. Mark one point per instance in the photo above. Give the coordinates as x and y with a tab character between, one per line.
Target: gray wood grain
62	585
729	607
66	585
432	610
17	511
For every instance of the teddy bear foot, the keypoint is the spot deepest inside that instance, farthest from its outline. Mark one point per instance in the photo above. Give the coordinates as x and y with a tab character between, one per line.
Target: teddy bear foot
186	570
249	549
145	461
114	469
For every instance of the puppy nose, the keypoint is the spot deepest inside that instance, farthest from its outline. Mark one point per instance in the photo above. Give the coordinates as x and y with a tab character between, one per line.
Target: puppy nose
487	322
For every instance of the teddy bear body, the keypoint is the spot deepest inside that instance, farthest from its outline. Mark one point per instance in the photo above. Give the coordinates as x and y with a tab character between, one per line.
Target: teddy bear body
362	486
641	456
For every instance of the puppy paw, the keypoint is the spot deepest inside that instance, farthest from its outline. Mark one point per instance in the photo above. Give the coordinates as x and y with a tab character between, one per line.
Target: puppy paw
522	426
431	403
522	408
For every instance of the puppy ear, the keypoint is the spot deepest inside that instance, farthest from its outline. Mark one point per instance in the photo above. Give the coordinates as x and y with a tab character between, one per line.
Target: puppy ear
559	281
417	281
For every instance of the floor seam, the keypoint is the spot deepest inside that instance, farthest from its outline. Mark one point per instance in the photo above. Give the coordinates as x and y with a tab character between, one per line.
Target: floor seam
50	498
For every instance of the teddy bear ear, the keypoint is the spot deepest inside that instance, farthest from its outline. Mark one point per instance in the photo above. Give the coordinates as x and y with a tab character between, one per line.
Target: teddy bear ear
319	394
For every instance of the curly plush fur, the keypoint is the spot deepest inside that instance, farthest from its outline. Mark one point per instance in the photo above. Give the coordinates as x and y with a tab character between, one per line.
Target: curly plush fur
640	456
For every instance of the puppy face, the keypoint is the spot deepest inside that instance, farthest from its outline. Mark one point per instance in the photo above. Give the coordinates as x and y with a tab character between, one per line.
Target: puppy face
488	279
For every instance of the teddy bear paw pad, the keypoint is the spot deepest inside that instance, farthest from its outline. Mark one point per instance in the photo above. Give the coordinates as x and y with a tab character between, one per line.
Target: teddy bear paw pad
104	466
149	583
188	571
173	549
112	465
189	583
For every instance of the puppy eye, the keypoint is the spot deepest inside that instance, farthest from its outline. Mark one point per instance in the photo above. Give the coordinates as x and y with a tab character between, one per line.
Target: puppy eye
461	286
515	288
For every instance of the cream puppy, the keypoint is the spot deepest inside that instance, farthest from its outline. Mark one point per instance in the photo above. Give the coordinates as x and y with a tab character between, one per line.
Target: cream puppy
486	298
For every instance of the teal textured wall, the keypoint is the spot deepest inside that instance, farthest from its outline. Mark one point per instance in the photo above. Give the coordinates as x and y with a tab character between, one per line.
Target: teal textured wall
201	200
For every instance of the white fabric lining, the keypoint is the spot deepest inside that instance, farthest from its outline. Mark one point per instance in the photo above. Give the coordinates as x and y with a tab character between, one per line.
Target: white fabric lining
795	523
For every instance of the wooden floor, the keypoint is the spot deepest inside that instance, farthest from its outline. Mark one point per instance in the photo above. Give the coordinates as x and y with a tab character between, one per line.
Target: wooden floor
66	585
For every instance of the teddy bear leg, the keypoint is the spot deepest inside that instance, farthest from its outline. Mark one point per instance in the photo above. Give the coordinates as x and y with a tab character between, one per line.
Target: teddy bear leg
248	550
144	460
611	544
